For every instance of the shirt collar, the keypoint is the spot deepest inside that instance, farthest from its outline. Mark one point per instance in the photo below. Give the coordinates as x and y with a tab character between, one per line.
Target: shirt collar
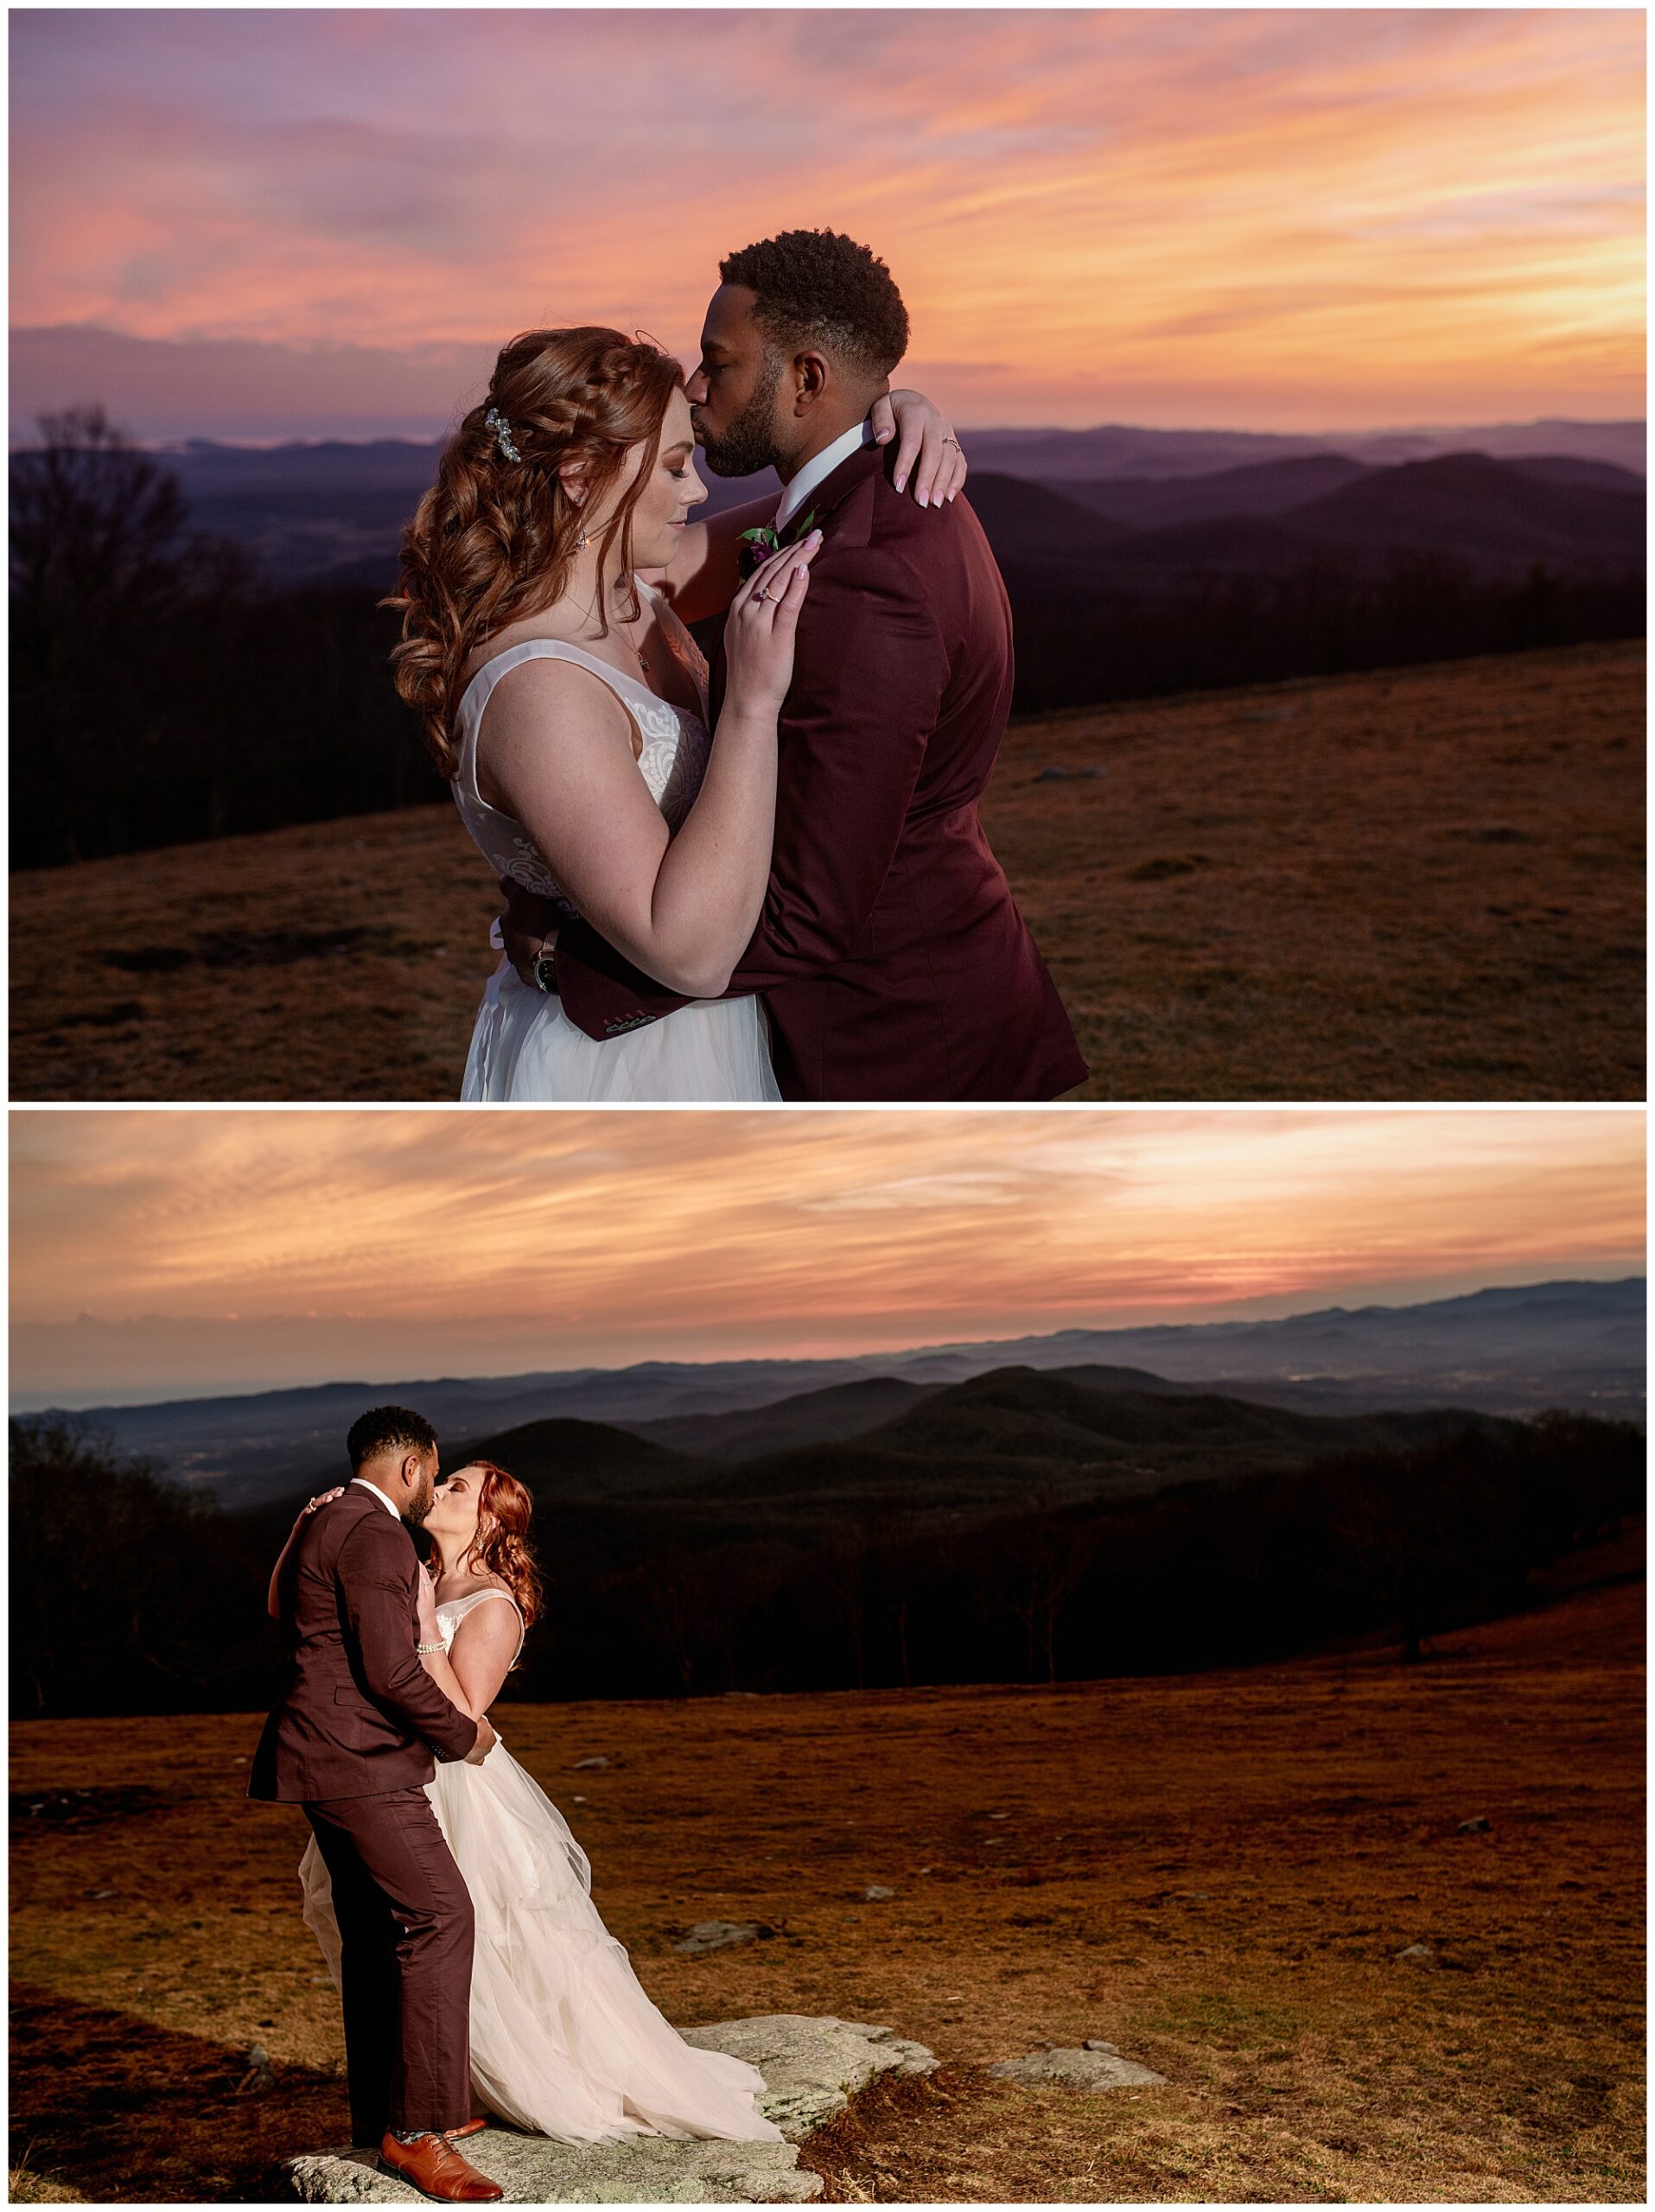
820	467
362	1482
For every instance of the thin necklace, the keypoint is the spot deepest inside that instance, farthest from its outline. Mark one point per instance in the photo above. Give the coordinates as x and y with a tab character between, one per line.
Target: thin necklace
636	651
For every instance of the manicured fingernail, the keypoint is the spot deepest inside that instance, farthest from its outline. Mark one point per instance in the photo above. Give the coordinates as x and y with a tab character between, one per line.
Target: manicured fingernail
801	570
901	483
923	499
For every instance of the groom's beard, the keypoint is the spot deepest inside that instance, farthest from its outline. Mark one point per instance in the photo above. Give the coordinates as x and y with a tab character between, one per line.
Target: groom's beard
420	1504
749	443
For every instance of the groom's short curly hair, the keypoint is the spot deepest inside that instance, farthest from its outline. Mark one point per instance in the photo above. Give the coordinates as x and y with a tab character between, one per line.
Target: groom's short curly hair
820	287
388	1429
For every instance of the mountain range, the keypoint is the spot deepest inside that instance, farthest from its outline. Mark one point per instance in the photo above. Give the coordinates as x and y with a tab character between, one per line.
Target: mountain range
1152	502
1501	1351
1011	1440
1498	518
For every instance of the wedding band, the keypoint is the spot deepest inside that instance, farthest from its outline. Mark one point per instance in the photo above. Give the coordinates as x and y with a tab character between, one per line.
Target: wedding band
950	442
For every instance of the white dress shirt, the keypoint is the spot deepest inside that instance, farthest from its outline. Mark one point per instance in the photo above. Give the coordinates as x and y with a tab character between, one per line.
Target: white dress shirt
361	1482
820	468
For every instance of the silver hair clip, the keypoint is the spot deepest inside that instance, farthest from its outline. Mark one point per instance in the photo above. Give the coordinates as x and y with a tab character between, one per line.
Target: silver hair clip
502	429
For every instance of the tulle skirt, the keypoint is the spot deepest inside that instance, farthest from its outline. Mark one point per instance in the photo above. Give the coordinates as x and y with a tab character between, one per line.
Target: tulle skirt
524	1047
564	2040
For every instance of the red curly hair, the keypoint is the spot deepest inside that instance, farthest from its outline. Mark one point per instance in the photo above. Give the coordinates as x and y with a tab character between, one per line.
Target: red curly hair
501	1543
495	537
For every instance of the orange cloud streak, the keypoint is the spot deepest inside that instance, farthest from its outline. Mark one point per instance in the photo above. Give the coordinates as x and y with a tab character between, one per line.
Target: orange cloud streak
483	1243
1316	219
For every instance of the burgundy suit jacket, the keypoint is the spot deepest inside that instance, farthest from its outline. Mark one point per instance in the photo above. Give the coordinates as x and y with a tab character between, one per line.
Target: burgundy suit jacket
892	958
360	1715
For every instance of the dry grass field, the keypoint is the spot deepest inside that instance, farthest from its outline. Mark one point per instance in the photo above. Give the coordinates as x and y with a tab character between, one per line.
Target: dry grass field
1422	882
1215	1872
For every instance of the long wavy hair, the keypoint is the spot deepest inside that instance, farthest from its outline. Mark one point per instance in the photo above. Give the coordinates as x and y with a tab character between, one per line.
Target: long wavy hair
493	538
501	1543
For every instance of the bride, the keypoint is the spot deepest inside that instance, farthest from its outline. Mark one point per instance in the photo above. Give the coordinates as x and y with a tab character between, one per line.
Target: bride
564	2041
566	702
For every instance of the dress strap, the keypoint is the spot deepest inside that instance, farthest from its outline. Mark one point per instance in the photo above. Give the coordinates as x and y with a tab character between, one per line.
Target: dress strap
474	700
493	1591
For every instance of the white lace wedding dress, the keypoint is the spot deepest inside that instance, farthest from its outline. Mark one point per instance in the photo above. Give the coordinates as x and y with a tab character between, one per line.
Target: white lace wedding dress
564	2041
524	1046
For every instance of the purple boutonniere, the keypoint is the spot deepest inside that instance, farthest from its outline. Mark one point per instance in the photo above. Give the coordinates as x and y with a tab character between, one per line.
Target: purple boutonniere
758	545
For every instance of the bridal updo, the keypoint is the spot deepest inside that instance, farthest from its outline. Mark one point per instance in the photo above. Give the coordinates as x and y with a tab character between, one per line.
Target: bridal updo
501	1543
494	537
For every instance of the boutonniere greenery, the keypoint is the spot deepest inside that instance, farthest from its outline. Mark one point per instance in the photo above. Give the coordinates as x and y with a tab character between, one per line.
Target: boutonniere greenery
758	545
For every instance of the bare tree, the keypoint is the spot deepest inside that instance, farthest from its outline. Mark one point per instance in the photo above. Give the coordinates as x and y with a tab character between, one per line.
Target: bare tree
119	619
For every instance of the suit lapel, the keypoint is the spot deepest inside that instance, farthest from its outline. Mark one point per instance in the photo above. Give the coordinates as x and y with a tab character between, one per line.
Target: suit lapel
831	492
866	462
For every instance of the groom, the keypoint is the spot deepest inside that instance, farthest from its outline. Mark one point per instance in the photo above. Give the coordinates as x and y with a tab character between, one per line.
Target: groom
891	957
352	1742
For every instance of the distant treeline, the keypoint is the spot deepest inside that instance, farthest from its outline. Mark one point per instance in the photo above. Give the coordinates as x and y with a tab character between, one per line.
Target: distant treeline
163	692
130	1595
1079	646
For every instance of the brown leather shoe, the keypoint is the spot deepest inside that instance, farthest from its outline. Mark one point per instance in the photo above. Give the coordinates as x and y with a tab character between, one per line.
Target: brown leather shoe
474	2126
437	2168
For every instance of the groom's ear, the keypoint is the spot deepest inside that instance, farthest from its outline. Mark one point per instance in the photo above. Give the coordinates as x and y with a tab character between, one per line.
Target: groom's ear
812	379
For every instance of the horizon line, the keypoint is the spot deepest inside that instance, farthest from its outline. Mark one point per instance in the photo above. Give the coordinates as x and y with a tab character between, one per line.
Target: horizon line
274	444
17	1409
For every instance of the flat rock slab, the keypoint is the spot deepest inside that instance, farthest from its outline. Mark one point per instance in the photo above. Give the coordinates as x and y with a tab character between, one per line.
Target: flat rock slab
812	2067
1097	2068
719	1934
532	2170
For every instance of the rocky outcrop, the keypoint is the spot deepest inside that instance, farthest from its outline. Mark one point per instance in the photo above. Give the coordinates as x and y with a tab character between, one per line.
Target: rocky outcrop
647	2169
811	2068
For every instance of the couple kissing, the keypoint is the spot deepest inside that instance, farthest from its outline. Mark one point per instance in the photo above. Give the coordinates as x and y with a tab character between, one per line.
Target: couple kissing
767	880
450	1901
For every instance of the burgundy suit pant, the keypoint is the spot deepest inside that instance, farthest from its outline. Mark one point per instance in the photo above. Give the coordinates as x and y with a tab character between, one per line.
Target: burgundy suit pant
405	1933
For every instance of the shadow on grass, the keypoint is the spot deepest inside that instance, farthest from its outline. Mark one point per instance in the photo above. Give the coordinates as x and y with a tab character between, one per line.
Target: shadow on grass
123	2112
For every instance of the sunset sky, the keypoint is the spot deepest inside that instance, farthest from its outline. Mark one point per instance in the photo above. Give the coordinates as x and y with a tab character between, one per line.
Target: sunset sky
158	1254
262	223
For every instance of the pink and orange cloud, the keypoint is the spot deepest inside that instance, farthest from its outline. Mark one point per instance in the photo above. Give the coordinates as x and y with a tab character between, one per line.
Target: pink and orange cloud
1297	221
161	1254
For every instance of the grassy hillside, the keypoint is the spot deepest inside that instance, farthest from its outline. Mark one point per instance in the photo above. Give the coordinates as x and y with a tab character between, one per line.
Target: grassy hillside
1419	883
1215	1872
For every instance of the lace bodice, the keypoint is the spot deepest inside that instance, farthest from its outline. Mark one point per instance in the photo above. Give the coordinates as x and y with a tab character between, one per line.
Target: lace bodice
450	1617
672	761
